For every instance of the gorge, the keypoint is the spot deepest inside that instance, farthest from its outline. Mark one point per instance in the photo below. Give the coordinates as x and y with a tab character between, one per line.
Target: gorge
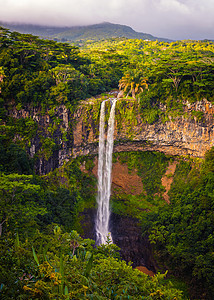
181	135
145	159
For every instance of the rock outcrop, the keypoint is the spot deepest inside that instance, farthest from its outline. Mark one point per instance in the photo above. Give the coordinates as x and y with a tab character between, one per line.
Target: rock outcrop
183	135
56	126
77	134
135	248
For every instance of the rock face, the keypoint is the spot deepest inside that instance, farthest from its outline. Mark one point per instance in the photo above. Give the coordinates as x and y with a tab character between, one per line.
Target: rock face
167	179
77	134
127	235
52	126
184	135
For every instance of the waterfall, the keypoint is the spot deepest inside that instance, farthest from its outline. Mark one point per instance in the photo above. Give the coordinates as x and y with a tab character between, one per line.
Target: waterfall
104	174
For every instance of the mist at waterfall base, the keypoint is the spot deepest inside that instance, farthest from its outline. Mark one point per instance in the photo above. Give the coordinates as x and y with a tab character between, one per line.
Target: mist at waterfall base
104	175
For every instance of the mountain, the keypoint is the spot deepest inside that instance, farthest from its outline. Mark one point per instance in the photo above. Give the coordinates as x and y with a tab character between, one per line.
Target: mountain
82	33
103	31
39	30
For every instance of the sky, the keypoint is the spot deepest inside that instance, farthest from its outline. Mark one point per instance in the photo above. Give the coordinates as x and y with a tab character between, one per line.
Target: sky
173	19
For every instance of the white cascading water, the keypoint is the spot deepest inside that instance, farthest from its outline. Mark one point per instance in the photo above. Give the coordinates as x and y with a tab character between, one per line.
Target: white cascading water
104	175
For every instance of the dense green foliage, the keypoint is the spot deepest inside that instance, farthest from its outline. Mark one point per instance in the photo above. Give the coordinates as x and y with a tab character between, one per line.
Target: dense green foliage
40	260
46	72
64	266
182	232
175	72
41	71
36	72
67	194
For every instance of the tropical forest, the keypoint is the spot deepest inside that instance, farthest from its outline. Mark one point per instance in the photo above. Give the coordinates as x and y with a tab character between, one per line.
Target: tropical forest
54	97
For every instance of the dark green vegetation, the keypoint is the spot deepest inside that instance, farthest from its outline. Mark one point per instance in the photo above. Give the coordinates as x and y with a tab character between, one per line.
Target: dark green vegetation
40	260
38	30
43	211
162	74
64	266
42	72
35	71
101	31
181	232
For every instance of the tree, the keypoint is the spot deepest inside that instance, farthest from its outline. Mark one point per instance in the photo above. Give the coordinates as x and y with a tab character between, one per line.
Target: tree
133	82
17	207
182	232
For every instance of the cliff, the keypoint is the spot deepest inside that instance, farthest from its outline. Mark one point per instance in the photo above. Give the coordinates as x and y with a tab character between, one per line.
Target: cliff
183	135
62	134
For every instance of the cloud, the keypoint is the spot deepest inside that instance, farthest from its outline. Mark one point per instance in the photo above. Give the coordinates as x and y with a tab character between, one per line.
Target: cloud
176	19
174	5
61	12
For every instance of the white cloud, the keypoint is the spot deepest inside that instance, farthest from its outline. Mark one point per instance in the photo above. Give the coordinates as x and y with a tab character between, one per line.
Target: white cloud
176	19
174	6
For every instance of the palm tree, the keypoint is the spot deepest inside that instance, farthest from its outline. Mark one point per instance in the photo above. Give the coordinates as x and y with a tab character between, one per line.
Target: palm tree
133	82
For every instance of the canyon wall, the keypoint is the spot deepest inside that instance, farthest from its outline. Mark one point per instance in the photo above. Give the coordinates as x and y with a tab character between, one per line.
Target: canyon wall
76	134
183	135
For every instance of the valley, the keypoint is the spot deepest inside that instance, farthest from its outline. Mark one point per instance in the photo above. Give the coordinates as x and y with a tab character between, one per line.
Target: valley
161	203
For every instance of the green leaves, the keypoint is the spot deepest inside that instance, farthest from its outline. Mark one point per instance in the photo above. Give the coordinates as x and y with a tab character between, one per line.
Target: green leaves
182	232
15	182
133	82
88	266
35	71
35	256
17	206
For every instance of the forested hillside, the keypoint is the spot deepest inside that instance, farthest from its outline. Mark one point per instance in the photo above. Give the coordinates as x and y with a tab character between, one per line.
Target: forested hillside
81	34
62	73
42	256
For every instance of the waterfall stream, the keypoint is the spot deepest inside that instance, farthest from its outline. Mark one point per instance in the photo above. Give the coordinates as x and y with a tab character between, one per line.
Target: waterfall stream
104	174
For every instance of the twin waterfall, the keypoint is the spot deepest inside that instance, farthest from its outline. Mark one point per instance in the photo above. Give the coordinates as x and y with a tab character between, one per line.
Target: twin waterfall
104	175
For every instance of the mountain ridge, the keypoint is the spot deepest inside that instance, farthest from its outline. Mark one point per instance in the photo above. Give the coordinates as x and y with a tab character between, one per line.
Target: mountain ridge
93	32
